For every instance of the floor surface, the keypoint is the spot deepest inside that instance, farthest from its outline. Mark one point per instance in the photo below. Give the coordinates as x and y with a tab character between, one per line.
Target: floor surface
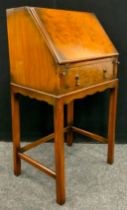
91	184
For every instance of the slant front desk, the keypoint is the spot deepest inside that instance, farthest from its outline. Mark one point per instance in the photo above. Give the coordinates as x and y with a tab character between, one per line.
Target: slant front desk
58	56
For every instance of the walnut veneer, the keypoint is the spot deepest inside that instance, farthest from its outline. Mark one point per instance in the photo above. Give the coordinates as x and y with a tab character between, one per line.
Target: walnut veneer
58	56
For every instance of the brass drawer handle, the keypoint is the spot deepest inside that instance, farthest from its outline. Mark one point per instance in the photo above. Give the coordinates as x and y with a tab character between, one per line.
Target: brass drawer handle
116	62
77	80
105	74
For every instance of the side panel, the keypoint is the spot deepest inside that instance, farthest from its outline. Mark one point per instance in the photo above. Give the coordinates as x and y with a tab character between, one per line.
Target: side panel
31	63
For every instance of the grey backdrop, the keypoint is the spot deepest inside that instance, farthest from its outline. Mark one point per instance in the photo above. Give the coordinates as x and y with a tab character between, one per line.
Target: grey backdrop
91	112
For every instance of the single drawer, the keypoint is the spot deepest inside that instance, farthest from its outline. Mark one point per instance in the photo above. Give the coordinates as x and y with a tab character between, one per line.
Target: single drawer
90	74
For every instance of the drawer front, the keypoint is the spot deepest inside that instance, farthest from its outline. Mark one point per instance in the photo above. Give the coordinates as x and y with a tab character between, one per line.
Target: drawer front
87	75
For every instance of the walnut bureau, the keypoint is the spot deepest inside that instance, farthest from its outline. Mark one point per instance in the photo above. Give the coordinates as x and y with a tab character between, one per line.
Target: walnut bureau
58	56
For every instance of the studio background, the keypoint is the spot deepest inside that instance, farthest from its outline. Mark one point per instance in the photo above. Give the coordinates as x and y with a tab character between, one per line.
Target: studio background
91	112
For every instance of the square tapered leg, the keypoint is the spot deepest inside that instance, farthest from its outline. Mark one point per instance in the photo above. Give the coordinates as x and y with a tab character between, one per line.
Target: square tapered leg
111	124
70	121
59	151
16	133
